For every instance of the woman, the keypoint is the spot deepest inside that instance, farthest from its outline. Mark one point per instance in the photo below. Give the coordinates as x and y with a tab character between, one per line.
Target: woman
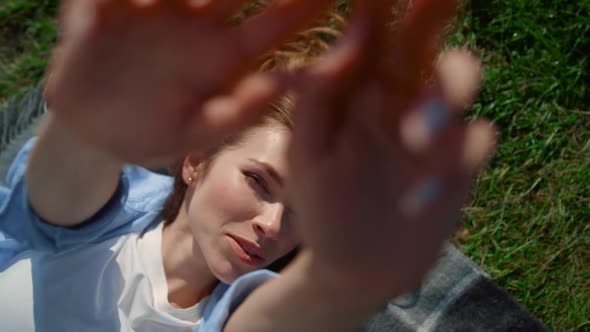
368	182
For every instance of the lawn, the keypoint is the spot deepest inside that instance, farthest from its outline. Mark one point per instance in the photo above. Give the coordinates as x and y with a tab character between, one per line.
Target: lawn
528	223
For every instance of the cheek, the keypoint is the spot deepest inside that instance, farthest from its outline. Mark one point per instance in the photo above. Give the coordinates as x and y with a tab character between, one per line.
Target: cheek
235	200
228	199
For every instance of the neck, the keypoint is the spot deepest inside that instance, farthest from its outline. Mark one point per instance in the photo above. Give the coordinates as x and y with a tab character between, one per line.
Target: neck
188	276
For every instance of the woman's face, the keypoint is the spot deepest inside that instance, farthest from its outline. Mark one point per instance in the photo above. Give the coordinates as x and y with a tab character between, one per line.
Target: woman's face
237	210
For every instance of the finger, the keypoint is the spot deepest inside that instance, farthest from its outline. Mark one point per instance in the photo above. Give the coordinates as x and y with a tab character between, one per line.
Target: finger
178	7
204	7
431	174
225	115
224	9
457	157
445	176
459	76
431	204
143	3
342	68
198	5
116	13
459	79
416	43
119	12
419	127
325	86
481	140
462	149
275	24
79	19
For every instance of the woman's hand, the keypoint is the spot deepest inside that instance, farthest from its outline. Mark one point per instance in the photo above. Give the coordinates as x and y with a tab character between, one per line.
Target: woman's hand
149	80
381	163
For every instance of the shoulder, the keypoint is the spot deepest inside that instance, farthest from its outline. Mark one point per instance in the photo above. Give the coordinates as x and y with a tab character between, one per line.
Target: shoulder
146	190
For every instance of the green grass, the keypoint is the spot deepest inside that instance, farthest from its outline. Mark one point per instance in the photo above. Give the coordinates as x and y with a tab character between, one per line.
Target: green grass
528	225
27	33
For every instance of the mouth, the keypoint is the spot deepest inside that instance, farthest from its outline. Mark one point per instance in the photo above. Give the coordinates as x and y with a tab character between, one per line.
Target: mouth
246	251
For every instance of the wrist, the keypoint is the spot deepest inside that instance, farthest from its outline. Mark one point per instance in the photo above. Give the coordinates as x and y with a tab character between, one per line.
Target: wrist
67	180
314	303
352	290
341	284
59	135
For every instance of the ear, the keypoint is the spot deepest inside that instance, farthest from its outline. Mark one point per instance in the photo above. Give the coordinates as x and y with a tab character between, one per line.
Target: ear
190	168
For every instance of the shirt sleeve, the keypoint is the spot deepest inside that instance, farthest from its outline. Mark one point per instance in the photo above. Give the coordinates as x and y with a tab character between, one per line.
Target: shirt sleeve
226	299
136	204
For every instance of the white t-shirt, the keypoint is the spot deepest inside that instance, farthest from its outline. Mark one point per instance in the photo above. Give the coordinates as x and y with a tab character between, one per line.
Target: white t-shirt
106	275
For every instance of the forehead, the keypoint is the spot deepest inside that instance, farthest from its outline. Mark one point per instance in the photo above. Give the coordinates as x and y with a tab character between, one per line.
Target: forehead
268	144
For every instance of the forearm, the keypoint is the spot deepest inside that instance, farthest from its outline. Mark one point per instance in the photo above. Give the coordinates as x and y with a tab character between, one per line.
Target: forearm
297	301
68	181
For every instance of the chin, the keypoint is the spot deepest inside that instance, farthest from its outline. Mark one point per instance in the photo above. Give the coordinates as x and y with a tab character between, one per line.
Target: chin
227	272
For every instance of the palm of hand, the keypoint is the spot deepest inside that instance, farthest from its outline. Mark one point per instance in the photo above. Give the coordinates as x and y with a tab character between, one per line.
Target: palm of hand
354	219
132	77
373	210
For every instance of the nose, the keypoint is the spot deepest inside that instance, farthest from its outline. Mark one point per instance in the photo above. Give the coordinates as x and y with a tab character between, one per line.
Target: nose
268	224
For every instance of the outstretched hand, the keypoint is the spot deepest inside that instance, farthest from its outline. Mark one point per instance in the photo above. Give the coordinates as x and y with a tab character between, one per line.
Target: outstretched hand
380	163
149	80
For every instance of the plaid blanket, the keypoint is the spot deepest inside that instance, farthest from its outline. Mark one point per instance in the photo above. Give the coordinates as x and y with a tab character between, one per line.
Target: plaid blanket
455	296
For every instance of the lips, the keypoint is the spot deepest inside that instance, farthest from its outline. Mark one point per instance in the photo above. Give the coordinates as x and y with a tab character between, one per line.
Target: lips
246	251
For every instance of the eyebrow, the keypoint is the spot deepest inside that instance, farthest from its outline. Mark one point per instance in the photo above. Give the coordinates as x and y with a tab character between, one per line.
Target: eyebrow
269	169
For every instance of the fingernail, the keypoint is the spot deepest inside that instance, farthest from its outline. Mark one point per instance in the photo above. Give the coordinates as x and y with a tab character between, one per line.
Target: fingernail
480	143
436	115
420	127
81	21
422	195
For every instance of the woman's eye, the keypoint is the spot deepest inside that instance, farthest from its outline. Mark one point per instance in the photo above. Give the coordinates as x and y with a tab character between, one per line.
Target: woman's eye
257	181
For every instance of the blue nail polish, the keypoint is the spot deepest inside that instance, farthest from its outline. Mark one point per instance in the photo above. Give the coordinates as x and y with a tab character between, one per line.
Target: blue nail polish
428	192
436	115
422	196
